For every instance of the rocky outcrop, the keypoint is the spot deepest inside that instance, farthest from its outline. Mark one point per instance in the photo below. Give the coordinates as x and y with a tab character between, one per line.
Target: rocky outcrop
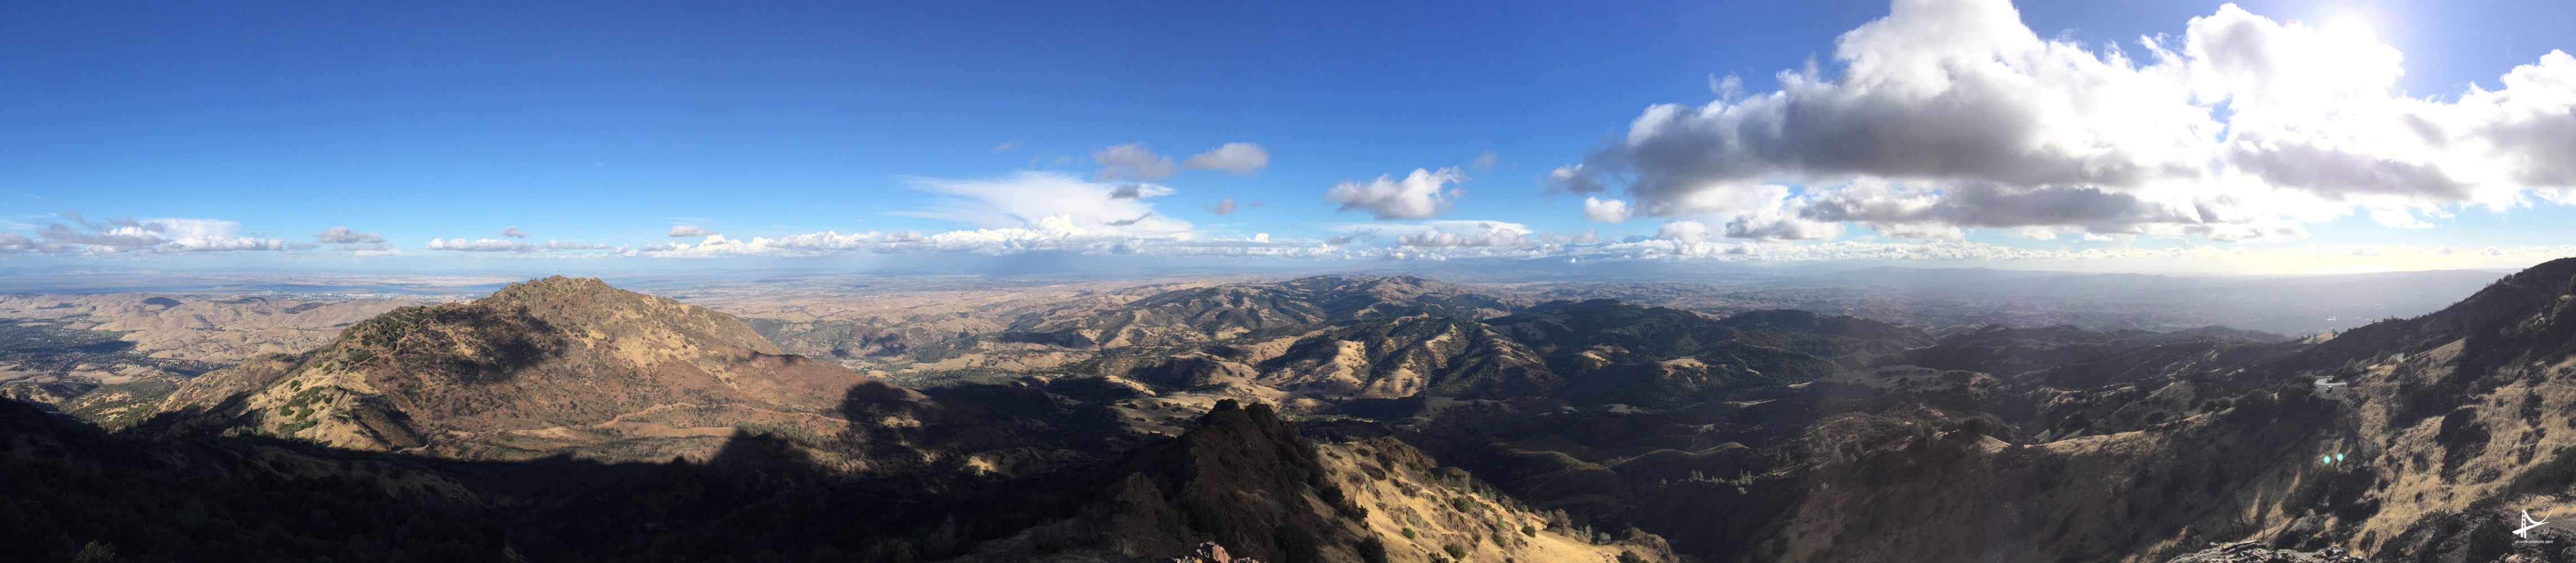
2253	552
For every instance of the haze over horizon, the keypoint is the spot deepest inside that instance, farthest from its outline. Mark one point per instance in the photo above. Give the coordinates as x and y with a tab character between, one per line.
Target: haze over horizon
2172	137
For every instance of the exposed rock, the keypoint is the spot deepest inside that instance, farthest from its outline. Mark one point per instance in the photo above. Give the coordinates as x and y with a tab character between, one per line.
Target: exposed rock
2254	552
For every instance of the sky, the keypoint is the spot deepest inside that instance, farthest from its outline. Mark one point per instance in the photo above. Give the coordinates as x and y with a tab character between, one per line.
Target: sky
2321	136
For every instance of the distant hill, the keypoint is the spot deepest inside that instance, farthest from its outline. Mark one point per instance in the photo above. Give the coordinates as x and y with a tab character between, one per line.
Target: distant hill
536	369
1234	310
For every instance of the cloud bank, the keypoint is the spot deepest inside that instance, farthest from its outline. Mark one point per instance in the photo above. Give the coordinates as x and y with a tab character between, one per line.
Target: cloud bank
498	245
130	236
1951	114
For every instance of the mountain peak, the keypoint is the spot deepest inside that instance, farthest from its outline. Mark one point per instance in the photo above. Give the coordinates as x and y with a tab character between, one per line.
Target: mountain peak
539	366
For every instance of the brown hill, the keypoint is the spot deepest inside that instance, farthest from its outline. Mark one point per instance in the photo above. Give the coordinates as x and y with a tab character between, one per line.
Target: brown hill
1247	480
1234	310
538	368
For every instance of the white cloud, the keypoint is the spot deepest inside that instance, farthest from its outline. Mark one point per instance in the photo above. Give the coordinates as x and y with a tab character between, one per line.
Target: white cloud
1951	114
1421	194
810	244
1585	237
160	236
1223	207
1237	158
1485	161
2398	218
345	235
1024	199
1006	146
513	232
1682	230
1484	234
498	245
690	231
13	243
1599	210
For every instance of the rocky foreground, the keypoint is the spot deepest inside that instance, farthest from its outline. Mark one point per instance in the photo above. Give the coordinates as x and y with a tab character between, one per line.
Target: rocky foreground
2253	552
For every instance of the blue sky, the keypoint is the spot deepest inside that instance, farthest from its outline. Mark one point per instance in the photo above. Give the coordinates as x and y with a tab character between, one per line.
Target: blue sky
833	133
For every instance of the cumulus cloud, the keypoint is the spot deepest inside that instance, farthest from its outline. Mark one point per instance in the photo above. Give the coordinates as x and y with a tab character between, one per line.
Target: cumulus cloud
1682	230
1487	237
513	232
499	245
1473	234
1421	194
1485	161
1132	161
1599	210
1951	114
1237	158
1223	207
345	235
18	243
130	235
690	231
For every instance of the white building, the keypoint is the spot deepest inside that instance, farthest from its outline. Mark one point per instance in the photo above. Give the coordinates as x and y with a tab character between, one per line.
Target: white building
2329	388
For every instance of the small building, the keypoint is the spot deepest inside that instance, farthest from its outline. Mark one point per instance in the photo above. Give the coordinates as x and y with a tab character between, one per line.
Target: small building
2329	388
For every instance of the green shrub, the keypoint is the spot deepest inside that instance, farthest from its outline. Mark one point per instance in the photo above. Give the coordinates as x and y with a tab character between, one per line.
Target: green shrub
1455	552
1296	545
1372	551
96	552
1528	530
2548	477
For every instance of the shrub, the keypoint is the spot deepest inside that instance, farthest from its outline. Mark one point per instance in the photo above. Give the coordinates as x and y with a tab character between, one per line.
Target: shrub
2489	542
1455	552
1528	530
1372	551
2548	477
1296	545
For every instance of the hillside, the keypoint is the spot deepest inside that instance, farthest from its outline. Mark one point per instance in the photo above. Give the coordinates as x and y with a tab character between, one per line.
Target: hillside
538	368
1394	419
